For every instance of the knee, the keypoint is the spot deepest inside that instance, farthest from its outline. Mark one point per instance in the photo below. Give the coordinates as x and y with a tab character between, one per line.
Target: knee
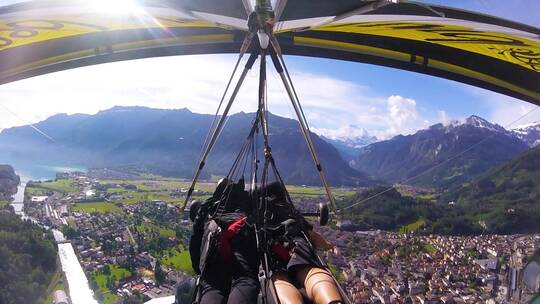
286	291
321	287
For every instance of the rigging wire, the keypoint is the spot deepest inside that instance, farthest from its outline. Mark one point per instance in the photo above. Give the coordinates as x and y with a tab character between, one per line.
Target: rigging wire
244	149
219	126
293	89
287	82
441	163
30	124
216	115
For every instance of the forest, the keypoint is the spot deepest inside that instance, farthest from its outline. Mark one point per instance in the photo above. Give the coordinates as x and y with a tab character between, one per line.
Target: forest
27	260
396	212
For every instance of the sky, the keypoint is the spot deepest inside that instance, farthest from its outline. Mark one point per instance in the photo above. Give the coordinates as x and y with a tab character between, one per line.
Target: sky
341	99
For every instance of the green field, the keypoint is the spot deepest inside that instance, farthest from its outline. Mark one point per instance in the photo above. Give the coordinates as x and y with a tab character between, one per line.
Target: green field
428	197
160	188
429	248
117	273
161	184
148	190
116	190
179	260
95	207
34	191
149	227
413	226
166	185
310	192
3	204
166	232
133	197
337	273
61	185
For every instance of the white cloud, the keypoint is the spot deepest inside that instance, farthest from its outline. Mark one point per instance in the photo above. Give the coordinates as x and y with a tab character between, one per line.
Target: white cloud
197	82
403	116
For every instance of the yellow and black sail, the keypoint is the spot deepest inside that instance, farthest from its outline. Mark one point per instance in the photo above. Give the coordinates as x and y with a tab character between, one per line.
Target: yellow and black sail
40	37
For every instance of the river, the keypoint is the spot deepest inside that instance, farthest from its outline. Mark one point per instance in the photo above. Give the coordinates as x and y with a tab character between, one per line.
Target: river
79	291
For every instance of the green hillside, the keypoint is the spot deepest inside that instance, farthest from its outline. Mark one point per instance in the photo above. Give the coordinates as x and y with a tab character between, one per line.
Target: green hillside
27	260
8	182
394	211
506	199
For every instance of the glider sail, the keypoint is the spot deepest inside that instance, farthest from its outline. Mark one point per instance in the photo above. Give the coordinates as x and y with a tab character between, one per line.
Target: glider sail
500	55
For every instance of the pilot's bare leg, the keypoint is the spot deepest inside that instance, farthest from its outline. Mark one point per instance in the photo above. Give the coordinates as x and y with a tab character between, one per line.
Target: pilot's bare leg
320	285
286	291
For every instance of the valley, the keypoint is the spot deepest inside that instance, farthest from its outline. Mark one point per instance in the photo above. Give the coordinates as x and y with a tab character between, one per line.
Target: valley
395	239
131	240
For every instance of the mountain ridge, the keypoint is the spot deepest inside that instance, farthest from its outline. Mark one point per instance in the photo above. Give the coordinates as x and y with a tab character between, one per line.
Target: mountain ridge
529	133
425	158
8	182
506	197
168	142
350	147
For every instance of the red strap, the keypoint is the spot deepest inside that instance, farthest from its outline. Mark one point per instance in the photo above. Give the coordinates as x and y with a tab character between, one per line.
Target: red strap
281	251
227	235
235	227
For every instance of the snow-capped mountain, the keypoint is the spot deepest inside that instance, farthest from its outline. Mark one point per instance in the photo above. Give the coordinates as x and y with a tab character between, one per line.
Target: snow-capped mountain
354	142
529	133
404	157
347	140
478	122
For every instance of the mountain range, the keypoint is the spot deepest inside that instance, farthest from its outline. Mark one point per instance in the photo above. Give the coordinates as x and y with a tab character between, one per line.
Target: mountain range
168	142
442	155
529	133
350	147
503	200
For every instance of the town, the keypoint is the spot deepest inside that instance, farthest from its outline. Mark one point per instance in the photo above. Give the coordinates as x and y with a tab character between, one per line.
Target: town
131	239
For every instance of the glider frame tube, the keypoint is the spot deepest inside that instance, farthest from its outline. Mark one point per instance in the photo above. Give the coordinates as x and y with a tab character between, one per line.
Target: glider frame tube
287	83
219	126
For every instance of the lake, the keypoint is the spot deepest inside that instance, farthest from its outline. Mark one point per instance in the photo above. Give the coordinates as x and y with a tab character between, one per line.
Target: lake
31	171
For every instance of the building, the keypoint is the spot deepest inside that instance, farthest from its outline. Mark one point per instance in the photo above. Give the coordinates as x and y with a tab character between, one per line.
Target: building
60	297
39	199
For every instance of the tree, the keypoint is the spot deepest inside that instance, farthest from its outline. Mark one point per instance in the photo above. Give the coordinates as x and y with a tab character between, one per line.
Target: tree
70	233
27	260
107	270
93	283
133	300
159	274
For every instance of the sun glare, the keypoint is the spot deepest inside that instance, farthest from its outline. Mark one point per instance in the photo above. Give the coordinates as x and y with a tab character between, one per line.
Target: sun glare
115	7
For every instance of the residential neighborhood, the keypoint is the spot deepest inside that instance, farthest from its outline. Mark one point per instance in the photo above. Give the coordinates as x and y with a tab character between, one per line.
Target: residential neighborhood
131	244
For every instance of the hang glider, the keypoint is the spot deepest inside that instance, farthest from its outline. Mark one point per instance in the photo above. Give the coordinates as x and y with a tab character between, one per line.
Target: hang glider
45	36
